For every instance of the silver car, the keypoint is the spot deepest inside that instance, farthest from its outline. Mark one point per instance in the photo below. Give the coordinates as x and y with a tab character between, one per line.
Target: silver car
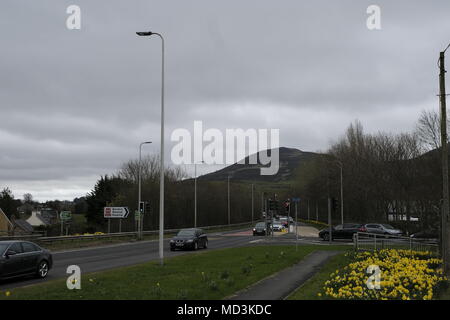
383	228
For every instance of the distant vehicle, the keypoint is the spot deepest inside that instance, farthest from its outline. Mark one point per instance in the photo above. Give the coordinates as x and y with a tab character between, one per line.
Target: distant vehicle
192	238
382	228
426	234
342	231
22	258
284	221
277	226
261	229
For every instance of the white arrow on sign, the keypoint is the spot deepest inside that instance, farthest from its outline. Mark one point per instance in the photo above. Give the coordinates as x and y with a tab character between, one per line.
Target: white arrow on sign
115	212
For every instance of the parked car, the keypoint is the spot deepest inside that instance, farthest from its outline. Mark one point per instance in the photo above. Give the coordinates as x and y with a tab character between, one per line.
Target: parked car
261	229
21	258
382	228
192	238
342	231
426	234
277	226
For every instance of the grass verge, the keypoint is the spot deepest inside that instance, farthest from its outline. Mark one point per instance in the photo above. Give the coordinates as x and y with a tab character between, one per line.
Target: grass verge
203	275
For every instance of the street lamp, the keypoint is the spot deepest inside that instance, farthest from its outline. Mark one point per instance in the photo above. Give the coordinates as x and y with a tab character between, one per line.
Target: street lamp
195	195
339	163
139	188
229	221
445	243
161	183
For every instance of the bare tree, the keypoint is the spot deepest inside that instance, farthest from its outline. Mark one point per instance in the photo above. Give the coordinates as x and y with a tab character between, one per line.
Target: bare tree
428	129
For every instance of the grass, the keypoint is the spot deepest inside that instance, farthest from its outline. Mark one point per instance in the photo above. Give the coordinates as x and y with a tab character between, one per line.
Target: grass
203	275
318	225
309	290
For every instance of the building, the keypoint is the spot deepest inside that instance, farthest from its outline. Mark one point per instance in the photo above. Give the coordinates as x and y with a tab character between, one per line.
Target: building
37	219
6	226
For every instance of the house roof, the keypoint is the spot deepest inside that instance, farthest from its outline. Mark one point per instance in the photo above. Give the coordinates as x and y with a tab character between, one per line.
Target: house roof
24	225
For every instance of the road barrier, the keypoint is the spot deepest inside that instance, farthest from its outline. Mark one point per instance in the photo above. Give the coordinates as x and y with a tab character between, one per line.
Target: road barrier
373	242
39	238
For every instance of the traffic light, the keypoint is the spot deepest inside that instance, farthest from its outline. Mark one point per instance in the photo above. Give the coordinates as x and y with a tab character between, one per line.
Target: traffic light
287	206
273	205
141	207
147	207
334	204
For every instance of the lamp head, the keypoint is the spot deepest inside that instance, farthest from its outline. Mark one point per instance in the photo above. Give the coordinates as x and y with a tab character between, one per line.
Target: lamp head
144	33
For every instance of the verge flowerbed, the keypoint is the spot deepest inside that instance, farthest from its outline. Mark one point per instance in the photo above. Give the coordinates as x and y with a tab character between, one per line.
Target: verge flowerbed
405	275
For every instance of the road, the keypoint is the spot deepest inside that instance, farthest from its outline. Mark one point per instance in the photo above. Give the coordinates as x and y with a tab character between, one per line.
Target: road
126	254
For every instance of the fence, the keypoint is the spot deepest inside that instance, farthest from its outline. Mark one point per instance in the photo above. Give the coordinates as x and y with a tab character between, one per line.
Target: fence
39	238
373	242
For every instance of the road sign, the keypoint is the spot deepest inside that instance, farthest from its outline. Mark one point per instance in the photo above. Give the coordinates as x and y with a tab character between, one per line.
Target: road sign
115	212
65	215
295	199
137	215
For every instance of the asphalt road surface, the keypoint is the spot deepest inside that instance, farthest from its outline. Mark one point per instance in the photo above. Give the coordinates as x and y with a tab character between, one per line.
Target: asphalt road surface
126	254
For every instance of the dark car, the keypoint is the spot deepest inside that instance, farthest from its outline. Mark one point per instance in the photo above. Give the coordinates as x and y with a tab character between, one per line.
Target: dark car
429	234
20	258
189	239
383	228
261	229
342	231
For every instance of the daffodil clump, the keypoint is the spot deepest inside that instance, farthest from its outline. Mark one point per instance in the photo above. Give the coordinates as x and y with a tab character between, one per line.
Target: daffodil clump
404	275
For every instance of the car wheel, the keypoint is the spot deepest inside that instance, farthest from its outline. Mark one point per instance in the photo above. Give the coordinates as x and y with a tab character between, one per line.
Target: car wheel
42	269
326	237
205	246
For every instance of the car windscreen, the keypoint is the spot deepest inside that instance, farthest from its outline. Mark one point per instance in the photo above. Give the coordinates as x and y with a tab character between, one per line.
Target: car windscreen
186	233
260	225
387	226
3	247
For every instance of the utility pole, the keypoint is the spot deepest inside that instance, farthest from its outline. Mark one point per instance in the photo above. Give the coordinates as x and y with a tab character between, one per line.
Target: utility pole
229	216
445	205
253	206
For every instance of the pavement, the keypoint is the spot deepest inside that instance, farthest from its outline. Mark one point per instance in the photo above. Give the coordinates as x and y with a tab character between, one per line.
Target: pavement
283	283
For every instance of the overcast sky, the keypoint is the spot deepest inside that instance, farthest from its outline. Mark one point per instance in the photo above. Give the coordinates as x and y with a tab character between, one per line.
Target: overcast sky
75	104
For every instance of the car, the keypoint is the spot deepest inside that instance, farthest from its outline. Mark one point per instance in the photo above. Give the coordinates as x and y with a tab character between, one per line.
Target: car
192	238
383	228
23	258
429	234
284	221
342	231
261	229
277	226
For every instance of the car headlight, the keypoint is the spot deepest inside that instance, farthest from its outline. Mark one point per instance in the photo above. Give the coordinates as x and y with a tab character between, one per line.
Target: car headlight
171	241
189	241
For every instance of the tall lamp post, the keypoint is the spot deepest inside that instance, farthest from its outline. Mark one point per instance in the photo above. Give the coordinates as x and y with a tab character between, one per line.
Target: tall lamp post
228	206
445	243
161	183
195	194
339	163
139	188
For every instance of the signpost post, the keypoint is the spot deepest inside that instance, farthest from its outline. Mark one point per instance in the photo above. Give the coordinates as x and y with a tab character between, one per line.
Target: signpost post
63	217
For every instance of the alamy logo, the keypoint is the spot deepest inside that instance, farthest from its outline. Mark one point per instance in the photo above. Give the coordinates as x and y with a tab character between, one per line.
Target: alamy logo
73	21
74	280
374	281
232	147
